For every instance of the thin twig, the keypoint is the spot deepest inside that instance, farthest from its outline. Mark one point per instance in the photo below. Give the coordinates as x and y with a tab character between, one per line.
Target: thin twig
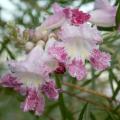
89	91
104	107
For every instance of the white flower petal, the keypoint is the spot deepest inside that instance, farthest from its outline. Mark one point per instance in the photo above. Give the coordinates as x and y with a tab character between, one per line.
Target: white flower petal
102	4
104	18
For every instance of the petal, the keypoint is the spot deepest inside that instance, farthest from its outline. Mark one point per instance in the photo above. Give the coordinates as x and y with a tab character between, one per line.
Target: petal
33	102
50	90
77	69
100	60
54	21
58	52
103	18
10	81
79	41
69	32
50	43
102	4
91	34
57	8
50	64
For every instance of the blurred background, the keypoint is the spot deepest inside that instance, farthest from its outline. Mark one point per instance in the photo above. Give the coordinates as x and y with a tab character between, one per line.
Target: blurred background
29	14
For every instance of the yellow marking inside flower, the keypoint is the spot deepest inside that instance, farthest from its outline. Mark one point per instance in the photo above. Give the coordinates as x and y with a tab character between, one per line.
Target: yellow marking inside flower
77	49
30	79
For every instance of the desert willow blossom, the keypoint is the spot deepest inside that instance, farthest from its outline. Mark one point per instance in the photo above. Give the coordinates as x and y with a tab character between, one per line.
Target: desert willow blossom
76	42
31	78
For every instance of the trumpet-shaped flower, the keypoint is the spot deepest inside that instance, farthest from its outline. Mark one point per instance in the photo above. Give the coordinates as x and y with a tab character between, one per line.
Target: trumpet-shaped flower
33	74
34	70
78	44
104	14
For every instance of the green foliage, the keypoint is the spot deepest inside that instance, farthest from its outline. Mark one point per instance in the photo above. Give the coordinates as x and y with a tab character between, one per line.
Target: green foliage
118	15
82	112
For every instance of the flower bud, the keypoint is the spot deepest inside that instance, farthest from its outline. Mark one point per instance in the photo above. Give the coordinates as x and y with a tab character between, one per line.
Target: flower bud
61	69
53	35
29	46
41	42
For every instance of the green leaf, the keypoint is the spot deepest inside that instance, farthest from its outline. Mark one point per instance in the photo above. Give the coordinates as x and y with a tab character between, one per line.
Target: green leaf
82	112
92	117
118	16
66	114
111	117
106	28
116	91
86	1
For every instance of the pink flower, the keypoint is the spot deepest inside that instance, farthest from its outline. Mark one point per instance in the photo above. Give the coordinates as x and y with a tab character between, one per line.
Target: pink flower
49	89
77	69
34	102
33	73
35	69
100	60
104	14
79	41
77	44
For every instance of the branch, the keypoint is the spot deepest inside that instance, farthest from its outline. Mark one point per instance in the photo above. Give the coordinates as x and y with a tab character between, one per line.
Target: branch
89	91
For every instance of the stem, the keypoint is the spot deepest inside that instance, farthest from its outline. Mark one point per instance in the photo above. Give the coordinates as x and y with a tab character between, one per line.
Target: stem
61	100
88	91
93	80
104	107
66	114
10	53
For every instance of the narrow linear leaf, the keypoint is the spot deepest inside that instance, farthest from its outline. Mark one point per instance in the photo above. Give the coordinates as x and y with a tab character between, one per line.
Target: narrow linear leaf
82	112
66	114
116	91
92	117
106	28
117	2
118	16
110	117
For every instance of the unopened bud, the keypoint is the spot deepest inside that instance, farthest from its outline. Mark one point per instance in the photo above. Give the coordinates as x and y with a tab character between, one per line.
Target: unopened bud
61	69
29	46
53	35
41	34
41	42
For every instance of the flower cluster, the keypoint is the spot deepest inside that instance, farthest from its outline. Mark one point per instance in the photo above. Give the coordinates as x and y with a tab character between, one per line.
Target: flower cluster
74	40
